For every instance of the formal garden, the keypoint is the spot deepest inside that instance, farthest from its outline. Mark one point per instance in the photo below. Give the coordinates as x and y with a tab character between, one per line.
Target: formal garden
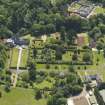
15	56
50	70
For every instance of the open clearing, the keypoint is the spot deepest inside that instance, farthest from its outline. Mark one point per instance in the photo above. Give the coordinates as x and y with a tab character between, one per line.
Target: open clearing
14	59
20	96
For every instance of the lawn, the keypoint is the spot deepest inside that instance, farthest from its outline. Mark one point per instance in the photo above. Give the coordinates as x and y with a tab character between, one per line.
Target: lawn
99	10
14	59
67	56
44	84
20	96
24	58
60	67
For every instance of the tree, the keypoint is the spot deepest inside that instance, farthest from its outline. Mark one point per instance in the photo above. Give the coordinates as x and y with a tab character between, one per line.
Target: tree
34	52
72	78
32	71
3	56
38	94
7	87
75	57
76	89
59	52
71	68
0	94
63	33
56	101
86	57
25	76
99	45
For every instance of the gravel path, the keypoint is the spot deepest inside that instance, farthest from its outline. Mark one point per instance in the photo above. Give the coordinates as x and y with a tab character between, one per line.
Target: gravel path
19	59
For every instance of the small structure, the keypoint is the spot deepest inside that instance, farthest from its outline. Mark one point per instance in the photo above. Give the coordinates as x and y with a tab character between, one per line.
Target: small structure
81	100
92	100
82	39
56	36
81	9
70	102
84	11
92	44
16	41
93	80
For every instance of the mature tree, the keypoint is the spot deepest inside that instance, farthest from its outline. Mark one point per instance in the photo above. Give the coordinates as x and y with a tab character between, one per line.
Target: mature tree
3	56
0	94
7	87
99	45
87	57
38	94
32	71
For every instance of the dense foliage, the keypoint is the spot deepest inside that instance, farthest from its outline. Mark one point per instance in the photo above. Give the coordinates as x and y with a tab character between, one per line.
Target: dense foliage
3	56
36	16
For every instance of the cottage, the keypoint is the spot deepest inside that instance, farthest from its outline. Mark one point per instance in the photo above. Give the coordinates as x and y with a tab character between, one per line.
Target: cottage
93	80
16	41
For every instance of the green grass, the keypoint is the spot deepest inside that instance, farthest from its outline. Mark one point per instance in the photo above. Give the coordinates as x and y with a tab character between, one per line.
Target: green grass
67	56
60	67
44	84
99	10
28	36
20	96
14	59
24	58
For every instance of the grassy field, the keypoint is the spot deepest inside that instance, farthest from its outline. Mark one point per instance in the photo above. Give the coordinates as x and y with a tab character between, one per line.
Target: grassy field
14	59
24	58
67	56
99	10
20	96
52	67
44	84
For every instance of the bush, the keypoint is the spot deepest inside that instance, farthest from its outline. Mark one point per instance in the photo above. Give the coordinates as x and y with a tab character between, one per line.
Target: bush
0	94
38	94
7	87
47	66
25	76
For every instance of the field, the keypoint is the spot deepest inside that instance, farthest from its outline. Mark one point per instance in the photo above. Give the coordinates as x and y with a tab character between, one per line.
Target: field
14	59
24	58
20	96
44	84
99	10
55	67
15	54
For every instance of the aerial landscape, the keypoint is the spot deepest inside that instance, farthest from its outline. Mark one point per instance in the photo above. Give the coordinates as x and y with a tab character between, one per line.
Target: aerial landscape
52	52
